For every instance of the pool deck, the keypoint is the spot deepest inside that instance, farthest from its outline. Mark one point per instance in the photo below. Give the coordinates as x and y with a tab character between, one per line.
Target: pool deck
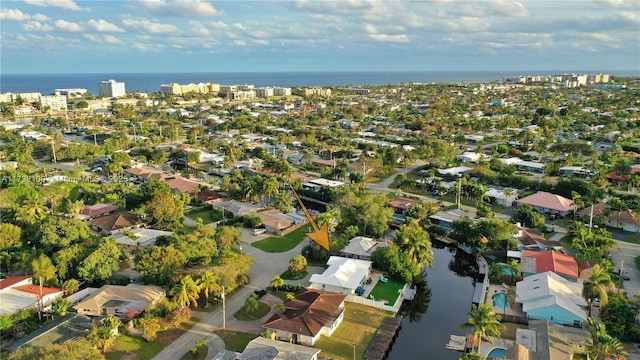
486	347
515	310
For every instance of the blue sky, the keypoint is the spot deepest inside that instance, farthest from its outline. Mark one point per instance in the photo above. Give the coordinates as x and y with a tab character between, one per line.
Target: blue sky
67	36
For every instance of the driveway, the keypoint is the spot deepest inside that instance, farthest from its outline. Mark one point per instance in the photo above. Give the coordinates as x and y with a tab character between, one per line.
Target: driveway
267	265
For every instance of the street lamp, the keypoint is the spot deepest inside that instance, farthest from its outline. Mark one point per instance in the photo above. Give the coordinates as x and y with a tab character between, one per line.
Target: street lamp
240	249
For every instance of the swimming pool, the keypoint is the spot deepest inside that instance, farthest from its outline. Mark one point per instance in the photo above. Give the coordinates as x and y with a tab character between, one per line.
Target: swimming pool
500	300
506	270
497	353
296	219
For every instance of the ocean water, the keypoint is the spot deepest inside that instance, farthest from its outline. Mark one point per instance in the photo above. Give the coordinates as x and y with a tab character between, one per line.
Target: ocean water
150	82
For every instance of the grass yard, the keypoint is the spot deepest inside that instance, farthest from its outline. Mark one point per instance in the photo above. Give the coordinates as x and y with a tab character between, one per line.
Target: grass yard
127	344
235	340
359	326
284	243
287	275
200	355
205	215
262	310
510	332
282	295
388	290
563	223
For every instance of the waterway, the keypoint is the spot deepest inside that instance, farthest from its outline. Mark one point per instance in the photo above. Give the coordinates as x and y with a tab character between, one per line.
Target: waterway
438	309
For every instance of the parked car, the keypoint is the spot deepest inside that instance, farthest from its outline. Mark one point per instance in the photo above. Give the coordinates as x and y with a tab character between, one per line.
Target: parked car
596	302
626	276
260	293
259	231
549	229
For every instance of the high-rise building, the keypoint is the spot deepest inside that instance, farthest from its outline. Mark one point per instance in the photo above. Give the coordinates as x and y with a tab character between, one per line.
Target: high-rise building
111	88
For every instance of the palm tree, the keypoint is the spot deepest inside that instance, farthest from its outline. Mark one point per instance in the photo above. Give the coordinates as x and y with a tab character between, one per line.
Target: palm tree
485	323
415	242
33	208
270	188
330	217
276	282
597	287
514	269
186	292
44	270
283	201
209	283
603	344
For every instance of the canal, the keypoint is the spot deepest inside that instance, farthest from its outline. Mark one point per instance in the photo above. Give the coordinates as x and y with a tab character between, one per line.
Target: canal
438	308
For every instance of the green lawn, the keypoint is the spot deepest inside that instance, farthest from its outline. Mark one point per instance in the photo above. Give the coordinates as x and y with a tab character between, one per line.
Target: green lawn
205	215
235	340
200	355
282	295
359	326
126	344
287	275
388	290
284	243
262	310
563	223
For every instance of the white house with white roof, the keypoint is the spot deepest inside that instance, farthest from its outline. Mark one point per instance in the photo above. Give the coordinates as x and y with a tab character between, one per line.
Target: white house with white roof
343	275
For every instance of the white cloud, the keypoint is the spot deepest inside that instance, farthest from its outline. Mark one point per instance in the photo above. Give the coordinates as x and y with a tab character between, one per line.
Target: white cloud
37	26
40	17
111	39
64	4
377	36
180	8
199	29
68	26
104	26
14	14
150	26
510	8
239	43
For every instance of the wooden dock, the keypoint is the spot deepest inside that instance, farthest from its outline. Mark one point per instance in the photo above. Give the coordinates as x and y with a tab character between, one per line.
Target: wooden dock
384	339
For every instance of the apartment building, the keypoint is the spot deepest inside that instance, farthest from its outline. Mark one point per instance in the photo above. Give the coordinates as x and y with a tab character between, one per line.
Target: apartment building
318	91
111	88
56	102
178	89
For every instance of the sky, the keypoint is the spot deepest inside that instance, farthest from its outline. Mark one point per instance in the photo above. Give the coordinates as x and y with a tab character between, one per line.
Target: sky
70	36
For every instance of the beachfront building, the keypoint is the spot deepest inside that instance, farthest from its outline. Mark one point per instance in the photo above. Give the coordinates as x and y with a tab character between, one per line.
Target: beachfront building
309	315
111	88
56	102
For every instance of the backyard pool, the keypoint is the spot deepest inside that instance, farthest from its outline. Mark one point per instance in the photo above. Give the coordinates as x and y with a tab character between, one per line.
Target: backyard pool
497	353
506	270
500	300
296	219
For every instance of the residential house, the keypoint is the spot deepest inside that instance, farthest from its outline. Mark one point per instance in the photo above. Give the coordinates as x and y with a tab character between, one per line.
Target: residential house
472	157
626	220
533	239
547	340
343	275
118	300
274	221
548	296
400	208
209	197
502	197
576	171
140	237
361	247
547	203
116	222
309	315
97	210
262	348
68	327
182	185
457	171
446	218
18	293
237	208
536	262
531	166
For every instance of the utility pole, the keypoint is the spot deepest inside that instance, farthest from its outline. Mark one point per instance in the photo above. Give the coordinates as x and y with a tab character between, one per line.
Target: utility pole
224	312
53	149
591	218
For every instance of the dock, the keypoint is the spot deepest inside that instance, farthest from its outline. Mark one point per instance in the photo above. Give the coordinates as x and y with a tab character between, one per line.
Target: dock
384	339
457	342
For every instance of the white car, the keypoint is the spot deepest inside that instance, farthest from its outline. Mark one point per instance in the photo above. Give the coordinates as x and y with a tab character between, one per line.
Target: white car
259	231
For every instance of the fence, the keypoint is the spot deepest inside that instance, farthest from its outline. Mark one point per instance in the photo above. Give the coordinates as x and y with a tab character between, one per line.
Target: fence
379	304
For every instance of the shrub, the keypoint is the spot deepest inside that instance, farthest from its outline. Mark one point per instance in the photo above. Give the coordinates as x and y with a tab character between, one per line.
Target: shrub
179	316
150	328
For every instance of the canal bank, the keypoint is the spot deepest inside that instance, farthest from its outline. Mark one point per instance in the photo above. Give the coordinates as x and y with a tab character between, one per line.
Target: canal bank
438	309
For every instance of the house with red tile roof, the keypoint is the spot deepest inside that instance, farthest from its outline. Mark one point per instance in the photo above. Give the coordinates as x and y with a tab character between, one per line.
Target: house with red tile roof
548	203
310	314
92	211
18	293
536	262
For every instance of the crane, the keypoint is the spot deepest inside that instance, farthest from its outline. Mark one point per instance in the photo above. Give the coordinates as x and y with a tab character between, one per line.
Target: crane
320	234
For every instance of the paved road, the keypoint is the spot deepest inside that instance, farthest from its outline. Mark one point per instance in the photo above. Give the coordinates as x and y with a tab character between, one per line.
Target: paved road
623	257
267	265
